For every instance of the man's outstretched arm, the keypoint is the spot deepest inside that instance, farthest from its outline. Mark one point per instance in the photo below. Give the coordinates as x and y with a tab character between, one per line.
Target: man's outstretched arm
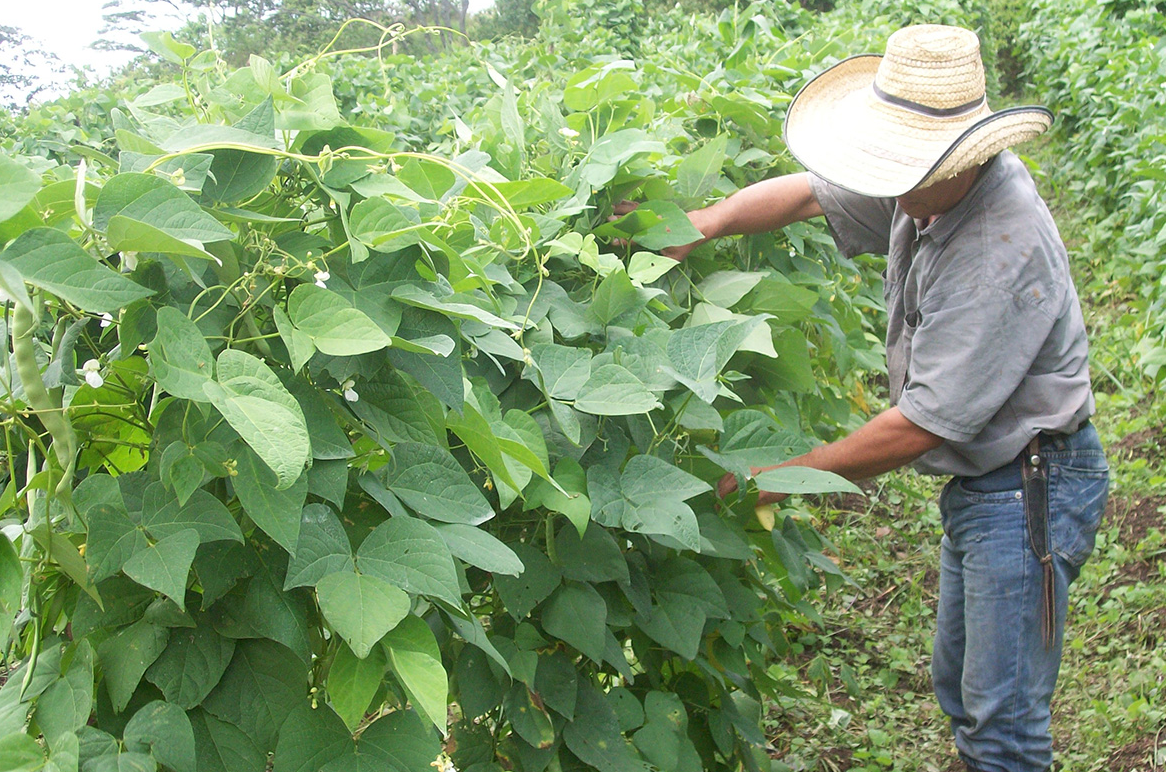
887	441
762	207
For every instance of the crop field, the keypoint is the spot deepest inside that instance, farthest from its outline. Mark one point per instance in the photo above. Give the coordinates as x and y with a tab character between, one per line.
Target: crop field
347	427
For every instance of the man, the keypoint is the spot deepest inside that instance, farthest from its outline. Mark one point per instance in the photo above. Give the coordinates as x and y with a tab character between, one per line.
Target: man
986	355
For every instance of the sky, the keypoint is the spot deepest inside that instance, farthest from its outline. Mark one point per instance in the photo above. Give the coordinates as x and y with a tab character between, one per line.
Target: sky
65	28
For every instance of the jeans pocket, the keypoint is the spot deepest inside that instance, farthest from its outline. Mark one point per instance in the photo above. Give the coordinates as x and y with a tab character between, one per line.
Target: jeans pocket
1077	497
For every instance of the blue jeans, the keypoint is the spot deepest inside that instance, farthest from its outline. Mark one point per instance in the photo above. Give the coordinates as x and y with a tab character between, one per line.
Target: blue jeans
992	673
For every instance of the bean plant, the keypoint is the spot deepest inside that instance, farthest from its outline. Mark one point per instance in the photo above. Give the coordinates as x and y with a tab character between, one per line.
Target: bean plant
344	428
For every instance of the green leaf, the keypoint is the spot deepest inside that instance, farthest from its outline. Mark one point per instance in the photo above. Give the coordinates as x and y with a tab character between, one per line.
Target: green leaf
165	565
664	738
163	516
192	665
334	326
128	235
399	742
670	226
526	193
676	626
49	259
12	284
122	762
431	482
615	296
410	554
164	44
395	411
153	202
125	657
594	736
11	582
482	441
299	343
321	549
528	718
163	730
264	681
361	608
263	412
594	557
479	548
726	288
180	357
114	536
564	369
276	510
416	661
20	753
411	294
352	682
613	390
803	479
698	173
646	267
222	747
569	499
313	736
698	354
557	682
384	226
18	186
577	614
181	471
522	593
441	375
65	706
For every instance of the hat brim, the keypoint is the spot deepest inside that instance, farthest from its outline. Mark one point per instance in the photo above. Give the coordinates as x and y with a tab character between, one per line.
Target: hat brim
838	128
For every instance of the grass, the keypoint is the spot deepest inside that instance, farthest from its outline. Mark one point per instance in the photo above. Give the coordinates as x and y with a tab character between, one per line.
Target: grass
869	662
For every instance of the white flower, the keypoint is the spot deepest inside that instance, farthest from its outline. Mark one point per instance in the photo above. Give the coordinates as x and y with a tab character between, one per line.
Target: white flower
106	320
350	393
321	277
92	370
129	261
568	132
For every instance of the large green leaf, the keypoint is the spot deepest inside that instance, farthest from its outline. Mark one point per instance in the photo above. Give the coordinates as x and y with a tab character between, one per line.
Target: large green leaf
146	204
165	565
410	554
164	731
274	509
353	681
18	186
11	582
416	661
263	412
20	753
125	657
49	259
577	614
321	549
803	479
699	172
223	747
613	390
698	354
564	369
479	548
180	357
594	736
334	326
163	516
191	665
65	706
259	689
114	534
361	607
520	594
431	482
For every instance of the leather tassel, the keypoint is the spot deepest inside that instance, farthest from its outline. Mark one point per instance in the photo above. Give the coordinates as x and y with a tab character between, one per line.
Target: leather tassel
1049	603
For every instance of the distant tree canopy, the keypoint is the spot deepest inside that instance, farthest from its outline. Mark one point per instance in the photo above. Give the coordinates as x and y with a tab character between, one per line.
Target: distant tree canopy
25	70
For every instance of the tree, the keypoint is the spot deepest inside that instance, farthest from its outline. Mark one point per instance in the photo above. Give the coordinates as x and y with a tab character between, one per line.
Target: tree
25	70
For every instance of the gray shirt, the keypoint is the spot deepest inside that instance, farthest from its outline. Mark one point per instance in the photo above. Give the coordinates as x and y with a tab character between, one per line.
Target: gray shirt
985	340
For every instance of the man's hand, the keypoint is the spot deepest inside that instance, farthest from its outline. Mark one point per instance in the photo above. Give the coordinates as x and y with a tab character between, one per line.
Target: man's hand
728	484
676	253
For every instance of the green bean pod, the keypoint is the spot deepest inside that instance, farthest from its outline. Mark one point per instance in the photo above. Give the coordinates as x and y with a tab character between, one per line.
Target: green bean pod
38	398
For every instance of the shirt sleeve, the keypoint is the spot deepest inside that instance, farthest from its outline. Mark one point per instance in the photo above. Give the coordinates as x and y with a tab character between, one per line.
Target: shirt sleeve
970	352
859	224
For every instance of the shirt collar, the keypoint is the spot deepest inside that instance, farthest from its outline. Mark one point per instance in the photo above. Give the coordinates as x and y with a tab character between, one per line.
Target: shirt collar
946	225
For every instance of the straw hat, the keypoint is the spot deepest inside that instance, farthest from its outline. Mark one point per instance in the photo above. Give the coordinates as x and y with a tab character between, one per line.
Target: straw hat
884	125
